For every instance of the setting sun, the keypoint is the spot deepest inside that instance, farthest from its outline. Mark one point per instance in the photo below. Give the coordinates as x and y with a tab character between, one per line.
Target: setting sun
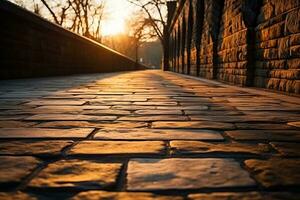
113	27
117	11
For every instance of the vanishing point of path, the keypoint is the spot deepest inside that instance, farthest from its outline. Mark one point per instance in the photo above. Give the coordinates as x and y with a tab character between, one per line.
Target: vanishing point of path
146	135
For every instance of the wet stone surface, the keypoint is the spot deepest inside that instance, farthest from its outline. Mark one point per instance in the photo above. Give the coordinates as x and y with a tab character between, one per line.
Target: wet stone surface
146	135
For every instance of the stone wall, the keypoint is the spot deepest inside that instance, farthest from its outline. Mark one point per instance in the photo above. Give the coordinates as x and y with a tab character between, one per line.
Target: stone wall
278	46
33	47
242	42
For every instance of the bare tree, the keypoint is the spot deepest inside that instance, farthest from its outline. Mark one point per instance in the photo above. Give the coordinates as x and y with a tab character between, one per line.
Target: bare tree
140	31
156	17
80	16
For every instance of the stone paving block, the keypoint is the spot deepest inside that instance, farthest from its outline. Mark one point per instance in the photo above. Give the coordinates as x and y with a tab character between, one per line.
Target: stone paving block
270	135
287	149
16	124
57	102
106	112
77	174
16	196
66	109
68	124
228	196
156	103
44	133
13	117
14	169
96	195
245	196
267	107
193	125
196	147
133	107
266	126
86	124
232	119
193	107
158	112
275	172
69	117
117	147
296	124
154	118
29	147
158	134
213	112
184	173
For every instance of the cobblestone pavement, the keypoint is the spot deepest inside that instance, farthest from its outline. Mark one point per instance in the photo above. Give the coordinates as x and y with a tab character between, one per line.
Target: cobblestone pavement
146	135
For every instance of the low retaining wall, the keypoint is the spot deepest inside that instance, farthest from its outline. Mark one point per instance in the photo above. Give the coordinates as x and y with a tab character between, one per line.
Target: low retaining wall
33	47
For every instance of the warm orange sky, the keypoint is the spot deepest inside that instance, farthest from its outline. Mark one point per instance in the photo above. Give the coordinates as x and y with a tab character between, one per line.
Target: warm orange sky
117	12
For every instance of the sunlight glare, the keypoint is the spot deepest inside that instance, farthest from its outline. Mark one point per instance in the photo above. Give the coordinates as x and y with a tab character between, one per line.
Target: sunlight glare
117	13
113	27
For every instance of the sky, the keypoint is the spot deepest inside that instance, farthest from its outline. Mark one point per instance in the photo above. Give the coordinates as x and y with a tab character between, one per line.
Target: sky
117	12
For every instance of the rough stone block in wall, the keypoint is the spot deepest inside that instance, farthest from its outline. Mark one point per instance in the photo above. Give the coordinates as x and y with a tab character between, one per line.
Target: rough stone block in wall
278	46
232	41
212	11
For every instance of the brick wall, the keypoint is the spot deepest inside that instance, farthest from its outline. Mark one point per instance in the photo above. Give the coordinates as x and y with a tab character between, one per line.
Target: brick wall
242	42
33	47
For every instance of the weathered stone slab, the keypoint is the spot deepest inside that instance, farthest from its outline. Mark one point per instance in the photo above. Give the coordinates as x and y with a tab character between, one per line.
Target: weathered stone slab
196	147
69	117
117	147
96	195
158	134
44	133
265	126
156	103
17	196
46	148
245	196
154	118
296	124
159	112
106	112
275	172
66	109
15	124
183	173
287	149
14	169
213	112
77	174
57	102
89	124
193	124
228	196
271	135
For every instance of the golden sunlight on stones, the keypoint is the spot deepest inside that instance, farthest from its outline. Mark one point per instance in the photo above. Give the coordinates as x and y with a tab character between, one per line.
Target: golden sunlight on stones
158	134
117	147
96	195
185	173
77	174
14	169
44	133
